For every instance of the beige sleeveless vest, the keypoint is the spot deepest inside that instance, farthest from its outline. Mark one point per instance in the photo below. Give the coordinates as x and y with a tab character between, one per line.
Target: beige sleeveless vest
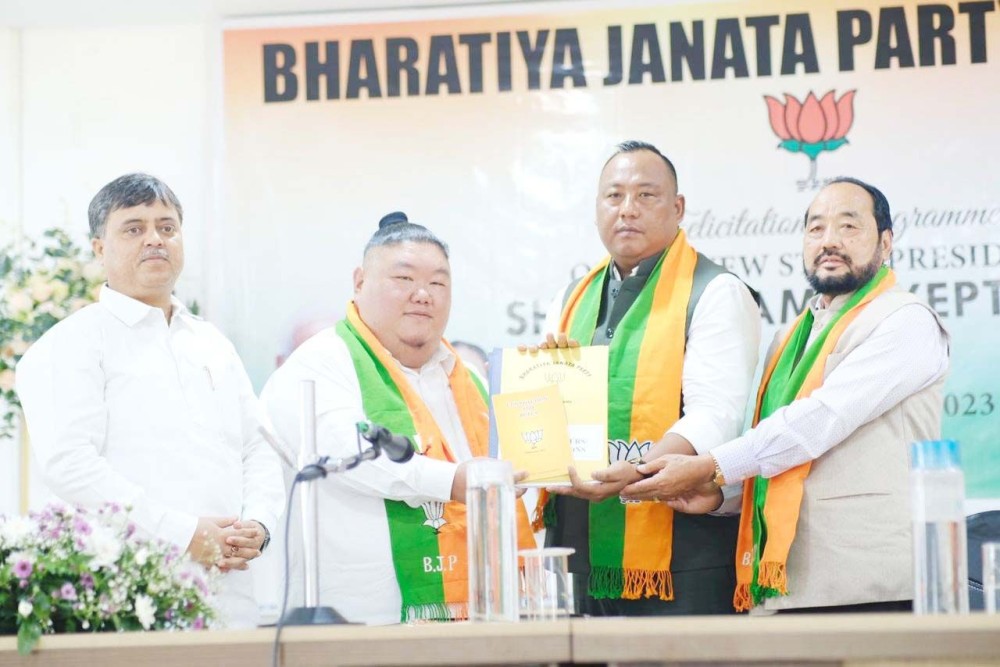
852	543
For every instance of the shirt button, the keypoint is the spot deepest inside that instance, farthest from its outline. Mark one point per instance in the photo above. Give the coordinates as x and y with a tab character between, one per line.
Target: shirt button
611	332
614	291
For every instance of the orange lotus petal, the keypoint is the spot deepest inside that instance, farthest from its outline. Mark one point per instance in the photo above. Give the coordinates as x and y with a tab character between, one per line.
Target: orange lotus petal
812	124
829	108
792	109
845	114
776	113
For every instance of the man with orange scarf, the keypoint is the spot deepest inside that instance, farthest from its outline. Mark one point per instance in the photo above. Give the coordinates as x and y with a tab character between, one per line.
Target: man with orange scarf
392	536
683	336
826	519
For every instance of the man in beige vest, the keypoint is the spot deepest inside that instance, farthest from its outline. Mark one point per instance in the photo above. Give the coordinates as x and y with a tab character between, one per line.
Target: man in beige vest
848	386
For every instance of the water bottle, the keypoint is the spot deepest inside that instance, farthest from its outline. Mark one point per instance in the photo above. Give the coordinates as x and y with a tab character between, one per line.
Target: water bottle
492	540
940	566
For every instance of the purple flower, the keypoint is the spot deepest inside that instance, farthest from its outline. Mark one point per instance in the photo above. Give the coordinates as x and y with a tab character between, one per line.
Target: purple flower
87	581
67	592
81	526
199	623
23	569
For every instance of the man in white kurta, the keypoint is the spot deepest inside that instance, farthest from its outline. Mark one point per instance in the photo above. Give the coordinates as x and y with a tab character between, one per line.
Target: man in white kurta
134	400
403	293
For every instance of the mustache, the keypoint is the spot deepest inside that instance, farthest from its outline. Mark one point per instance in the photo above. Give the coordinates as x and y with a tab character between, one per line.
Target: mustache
832	253
154	252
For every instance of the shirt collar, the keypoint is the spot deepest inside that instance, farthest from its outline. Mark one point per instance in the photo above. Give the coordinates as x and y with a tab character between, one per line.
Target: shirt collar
836	303
132	311
442	356
642	269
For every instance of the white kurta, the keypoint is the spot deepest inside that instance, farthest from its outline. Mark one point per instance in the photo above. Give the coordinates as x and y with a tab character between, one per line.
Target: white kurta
357	575
123	407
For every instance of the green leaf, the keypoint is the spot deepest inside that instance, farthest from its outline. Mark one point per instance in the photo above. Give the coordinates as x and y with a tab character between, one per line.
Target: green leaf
812	150
791	145
834	144
27	636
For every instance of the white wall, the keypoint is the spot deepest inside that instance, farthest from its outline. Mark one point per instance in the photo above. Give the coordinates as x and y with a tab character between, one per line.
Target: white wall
10	212
89	91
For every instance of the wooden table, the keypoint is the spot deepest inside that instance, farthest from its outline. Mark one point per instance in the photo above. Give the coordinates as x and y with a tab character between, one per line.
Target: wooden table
828	639
855	640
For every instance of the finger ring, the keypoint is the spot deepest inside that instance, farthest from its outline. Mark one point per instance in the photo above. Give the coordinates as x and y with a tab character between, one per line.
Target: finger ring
233	549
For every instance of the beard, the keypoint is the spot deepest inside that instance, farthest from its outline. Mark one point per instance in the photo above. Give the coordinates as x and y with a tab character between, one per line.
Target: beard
854	279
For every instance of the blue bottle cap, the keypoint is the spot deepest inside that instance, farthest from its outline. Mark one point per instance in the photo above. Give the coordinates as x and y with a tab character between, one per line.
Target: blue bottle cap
934	455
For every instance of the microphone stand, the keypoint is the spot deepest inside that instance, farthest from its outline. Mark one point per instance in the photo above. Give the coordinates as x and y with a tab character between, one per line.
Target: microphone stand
311	467
311	613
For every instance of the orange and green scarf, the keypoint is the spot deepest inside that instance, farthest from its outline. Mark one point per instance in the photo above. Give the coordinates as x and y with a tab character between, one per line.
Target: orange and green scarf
428	542
771	506
631	543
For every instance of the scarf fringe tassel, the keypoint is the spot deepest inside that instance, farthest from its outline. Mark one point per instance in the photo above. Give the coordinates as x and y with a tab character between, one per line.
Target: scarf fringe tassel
772	575
609	583
741	598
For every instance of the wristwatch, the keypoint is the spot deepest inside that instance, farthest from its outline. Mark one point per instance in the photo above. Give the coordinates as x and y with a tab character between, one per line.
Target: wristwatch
267	536
718	478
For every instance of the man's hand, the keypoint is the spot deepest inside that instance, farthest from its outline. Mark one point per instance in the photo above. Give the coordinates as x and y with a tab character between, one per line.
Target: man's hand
209	540
242	547
608	482
551	342
706	498
672	476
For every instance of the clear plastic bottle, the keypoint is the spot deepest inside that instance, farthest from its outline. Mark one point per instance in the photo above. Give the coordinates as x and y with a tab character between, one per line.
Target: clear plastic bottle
492	541
940	564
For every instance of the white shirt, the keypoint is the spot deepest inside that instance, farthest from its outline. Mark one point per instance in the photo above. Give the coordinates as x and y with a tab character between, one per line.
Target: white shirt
906	352
357	575
719	361
123	407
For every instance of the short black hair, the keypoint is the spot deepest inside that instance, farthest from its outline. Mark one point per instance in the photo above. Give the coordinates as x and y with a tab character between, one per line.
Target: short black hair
395	228
125	192
633	145
880	205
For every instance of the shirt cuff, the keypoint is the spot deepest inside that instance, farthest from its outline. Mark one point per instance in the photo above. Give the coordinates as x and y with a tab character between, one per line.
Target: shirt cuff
732	500
736	461
436	477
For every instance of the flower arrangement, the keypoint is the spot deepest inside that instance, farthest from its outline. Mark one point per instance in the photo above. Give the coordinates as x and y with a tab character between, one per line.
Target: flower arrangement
70	570
40	284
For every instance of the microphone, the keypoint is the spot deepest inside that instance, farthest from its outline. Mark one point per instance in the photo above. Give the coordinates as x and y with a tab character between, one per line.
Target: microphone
398	448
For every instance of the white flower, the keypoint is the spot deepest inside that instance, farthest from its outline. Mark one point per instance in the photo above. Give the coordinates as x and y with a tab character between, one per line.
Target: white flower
15	531
19	303
104	546
60	291
24	608
19	346
65	264
145	611
141	556
6	379
93	271
40	287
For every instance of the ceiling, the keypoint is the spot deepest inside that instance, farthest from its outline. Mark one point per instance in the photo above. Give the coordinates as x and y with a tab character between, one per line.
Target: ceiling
69	13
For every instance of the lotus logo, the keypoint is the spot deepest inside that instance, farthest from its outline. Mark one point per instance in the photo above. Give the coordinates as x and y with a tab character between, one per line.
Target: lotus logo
532	438
434	511
812	126
620	450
